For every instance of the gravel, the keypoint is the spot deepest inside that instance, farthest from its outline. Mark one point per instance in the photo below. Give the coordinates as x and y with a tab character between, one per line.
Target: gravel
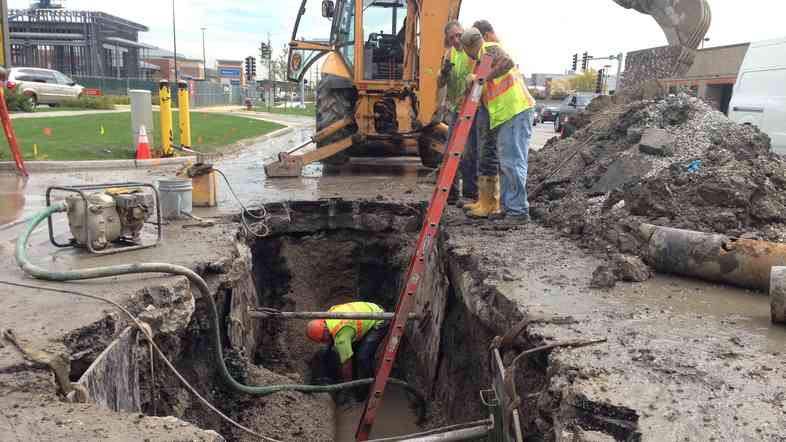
720	176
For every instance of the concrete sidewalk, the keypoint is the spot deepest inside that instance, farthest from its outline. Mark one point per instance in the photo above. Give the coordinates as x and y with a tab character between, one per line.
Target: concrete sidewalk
66	113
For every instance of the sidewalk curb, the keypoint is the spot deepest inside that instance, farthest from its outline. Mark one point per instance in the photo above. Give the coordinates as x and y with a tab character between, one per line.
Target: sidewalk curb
58	166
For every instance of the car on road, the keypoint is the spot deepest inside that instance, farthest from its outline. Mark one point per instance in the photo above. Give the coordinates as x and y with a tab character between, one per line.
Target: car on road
759	97
568	109
549	113
43	86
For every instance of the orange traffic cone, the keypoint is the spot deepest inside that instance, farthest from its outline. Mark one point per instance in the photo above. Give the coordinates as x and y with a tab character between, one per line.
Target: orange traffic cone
143	145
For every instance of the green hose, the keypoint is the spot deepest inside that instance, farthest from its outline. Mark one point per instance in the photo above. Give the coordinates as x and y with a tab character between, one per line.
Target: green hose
195	279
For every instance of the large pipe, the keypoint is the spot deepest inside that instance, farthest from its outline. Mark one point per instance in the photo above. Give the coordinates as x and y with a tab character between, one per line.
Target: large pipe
471	433
712	257
262	314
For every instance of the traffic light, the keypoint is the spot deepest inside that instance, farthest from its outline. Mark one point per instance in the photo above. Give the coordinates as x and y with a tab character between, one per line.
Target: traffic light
575	62
253	67
248	67
599	86
585	61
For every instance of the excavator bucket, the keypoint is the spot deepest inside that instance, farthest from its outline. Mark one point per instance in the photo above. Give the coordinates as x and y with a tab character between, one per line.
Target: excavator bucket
685	22
291	166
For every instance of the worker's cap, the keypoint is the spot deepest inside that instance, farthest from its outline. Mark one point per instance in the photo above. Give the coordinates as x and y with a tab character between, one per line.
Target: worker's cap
470	37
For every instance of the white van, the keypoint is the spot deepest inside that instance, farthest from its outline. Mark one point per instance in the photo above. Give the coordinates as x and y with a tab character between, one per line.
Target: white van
760	93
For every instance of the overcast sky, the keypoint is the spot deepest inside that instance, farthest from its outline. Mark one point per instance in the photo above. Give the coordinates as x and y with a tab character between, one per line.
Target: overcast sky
541	35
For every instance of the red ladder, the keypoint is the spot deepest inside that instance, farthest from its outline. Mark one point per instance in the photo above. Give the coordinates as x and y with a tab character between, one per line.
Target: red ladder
5	120
425	244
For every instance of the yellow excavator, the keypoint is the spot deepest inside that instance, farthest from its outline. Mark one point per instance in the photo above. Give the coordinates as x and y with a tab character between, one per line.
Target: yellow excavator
380	62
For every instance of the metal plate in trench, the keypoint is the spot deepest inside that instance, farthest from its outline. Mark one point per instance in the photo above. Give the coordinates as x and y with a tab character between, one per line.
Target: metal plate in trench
510	430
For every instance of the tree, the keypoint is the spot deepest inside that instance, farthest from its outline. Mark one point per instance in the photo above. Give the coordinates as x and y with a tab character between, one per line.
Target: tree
280	63
559	89
586	82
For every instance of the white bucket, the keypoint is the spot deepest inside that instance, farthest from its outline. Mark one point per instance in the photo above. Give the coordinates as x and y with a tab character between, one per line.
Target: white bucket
175	197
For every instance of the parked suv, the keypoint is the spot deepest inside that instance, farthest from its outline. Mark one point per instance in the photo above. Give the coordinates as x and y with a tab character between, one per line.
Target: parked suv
43	86
571	106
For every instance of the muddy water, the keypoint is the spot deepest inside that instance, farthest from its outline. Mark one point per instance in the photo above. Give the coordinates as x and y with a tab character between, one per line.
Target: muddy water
12	198
396	418
743	309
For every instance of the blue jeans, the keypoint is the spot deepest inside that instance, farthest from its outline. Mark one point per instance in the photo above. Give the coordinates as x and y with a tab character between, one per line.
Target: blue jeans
513	139
469	160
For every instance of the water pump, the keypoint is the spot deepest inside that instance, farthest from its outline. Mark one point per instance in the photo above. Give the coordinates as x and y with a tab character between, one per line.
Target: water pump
108	218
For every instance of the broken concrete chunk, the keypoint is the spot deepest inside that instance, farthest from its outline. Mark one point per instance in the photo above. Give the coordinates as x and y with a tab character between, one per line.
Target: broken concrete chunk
634	134
657	142
631	268
603	278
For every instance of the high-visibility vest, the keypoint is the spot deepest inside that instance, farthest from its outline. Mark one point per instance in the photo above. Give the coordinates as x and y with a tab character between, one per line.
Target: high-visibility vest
361	326
457	83
505	96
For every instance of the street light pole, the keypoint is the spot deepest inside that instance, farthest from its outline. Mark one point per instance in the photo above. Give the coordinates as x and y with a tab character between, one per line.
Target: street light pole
174	38
204	57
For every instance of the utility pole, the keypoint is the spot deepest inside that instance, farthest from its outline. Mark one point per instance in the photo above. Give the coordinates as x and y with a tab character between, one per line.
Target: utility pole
174	38
5	48
204	56
619	72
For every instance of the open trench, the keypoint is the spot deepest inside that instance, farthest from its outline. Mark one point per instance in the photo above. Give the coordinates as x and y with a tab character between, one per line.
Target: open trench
321	254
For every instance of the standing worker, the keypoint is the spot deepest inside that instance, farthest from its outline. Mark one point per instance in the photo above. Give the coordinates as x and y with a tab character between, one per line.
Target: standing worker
510	108
488	164
456	69
350	339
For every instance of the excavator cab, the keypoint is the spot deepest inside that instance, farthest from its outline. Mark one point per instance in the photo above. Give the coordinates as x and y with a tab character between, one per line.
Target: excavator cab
383	28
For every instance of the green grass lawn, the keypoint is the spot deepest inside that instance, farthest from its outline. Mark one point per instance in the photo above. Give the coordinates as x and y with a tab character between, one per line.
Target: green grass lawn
80	138
309	111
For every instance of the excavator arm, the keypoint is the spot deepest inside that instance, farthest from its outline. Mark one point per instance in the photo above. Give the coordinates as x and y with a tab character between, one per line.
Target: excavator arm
685	22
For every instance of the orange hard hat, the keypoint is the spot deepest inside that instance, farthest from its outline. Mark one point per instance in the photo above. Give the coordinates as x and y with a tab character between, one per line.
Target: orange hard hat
316	330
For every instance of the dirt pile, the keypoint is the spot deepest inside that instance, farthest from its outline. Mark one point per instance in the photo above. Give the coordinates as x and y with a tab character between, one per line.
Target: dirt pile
672	162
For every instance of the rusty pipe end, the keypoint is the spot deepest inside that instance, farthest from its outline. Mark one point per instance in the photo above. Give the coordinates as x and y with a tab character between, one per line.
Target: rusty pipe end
647	230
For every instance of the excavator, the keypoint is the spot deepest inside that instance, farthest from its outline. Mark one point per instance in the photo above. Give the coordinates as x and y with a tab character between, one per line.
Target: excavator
378	93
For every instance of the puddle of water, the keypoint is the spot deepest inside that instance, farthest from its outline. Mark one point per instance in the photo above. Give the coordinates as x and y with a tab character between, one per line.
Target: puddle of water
396	418
12	198
744	309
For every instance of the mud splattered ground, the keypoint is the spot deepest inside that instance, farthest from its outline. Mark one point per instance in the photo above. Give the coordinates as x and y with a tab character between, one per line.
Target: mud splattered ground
676	366
684	360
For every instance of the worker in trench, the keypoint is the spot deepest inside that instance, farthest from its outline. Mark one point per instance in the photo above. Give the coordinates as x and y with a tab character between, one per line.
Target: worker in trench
511	111
456	67
351	343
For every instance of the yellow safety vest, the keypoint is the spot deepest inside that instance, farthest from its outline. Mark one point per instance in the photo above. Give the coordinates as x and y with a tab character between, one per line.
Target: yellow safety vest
361	326
505	96
457	83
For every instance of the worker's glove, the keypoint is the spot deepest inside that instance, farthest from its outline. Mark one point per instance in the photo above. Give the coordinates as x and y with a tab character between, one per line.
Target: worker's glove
345	399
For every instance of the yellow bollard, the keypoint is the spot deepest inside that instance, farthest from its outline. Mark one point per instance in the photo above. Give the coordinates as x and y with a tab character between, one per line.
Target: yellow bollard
167	138
185	114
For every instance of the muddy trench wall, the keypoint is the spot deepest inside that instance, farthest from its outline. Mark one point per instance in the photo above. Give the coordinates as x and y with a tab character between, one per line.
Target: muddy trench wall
320	254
